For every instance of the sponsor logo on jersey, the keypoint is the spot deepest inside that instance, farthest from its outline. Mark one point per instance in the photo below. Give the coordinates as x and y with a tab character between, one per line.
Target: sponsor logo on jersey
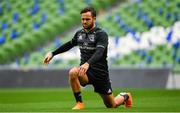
85	43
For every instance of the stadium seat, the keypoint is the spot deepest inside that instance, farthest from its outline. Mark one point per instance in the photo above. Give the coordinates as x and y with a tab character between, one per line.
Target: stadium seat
2	40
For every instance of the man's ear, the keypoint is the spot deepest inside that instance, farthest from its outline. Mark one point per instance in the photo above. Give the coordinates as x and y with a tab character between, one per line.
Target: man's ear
94	18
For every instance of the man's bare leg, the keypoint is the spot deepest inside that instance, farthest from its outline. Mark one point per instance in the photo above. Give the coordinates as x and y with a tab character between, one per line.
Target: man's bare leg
112	102
75	81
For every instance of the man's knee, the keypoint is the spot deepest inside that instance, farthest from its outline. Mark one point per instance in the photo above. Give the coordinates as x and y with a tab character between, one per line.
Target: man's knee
109	101
110	105
73	73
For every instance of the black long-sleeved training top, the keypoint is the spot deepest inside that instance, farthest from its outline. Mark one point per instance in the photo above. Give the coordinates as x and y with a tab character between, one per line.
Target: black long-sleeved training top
93	47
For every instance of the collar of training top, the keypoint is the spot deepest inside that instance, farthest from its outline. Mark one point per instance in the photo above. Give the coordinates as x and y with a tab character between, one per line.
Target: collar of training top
91	31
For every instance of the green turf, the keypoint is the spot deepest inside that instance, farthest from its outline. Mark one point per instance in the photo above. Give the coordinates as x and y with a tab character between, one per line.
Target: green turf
61	100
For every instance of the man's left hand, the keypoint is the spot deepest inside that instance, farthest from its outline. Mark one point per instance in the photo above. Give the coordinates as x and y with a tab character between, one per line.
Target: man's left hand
83	69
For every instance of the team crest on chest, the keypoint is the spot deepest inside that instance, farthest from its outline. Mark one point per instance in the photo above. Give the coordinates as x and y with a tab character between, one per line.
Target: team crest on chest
91	37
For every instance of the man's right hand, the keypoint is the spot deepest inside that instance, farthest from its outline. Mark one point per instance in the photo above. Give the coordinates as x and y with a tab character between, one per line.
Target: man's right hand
48	58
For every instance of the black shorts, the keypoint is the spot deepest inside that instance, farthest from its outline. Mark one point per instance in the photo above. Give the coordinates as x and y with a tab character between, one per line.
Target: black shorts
100	82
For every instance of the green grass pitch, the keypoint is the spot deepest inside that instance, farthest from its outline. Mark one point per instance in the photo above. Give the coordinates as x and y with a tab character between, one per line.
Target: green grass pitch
62	100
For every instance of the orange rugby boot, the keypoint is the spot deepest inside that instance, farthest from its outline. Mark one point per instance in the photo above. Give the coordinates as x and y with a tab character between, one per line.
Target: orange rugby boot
79	106
129	103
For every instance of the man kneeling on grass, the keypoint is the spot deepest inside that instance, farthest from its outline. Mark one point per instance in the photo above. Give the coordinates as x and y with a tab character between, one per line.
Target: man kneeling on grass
93	69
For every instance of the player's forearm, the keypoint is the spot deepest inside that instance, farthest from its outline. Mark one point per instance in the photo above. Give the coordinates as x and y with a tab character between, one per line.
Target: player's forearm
65	47
96	56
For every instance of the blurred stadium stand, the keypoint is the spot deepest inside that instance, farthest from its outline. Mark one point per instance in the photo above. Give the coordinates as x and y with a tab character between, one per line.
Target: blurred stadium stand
28	24
142	33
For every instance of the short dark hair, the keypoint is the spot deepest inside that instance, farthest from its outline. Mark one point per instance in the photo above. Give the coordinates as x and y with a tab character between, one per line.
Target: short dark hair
89	9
